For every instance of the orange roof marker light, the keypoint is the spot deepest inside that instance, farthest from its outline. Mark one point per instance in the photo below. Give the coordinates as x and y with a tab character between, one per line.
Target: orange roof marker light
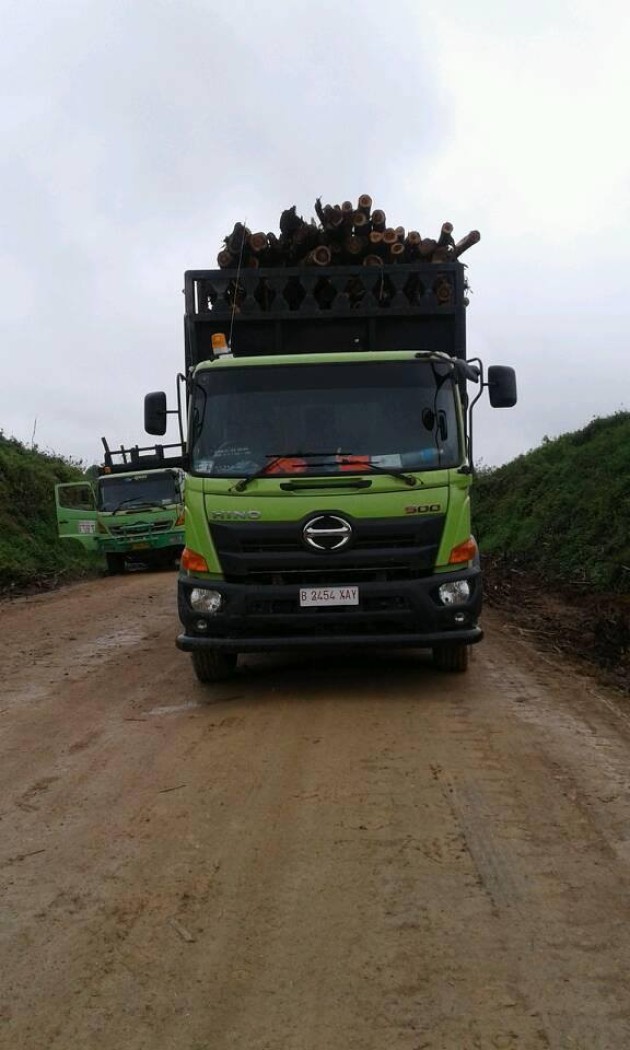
219	344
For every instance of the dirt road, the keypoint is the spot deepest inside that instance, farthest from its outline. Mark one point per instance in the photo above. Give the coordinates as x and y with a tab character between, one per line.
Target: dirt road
347	854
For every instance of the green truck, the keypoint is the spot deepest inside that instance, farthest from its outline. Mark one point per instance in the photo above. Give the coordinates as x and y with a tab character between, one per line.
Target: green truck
329	462
132	512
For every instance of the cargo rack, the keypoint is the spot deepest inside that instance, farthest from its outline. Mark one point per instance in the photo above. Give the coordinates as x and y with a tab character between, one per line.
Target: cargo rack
311	309
150	457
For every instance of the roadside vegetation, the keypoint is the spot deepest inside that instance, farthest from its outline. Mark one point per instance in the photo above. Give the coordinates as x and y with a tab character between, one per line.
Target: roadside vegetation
563	509
554	529
31	554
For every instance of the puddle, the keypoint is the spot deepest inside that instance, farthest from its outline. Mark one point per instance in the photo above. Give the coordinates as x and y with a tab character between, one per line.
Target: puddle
174	709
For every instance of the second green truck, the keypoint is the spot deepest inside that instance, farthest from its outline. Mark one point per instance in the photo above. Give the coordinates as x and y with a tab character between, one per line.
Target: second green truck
132	512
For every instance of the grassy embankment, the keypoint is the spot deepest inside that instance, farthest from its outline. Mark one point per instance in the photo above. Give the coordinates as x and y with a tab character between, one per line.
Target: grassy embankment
31	554
563	510
554	529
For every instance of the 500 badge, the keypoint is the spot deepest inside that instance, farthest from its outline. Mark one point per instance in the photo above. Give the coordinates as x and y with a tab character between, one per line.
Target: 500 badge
424	508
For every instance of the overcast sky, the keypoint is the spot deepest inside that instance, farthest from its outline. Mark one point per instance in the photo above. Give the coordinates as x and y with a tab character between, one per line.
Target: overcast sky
136	133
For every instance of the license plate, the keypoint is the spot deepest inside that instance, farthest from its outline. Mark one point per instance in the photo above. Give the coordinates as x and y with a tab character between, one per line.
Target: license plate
140	546
316	596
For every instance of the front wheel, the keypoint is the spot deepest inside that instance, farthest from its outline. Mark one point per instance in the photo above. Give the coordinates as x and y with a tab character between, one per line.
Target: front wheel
115	563
213	665
452	657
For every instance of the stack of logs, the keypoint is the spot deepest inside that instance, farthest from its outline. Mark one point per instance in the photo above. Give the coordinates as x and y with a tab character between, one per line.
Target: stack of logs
341	235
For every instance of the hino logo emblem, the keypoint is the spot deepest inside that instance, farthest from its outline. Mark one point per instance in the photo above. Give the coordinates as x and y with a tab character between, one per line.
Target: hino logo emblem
234	515
327	533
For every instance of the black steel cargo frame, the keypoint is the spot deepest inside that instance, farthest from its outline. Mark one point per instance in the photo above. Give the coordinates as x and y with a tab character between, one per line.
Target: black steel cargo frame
292	310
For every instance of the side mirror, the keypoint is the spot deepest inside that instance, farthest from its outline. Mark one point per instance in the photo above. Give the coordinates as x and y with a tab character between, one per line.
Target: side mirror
501	386
155	413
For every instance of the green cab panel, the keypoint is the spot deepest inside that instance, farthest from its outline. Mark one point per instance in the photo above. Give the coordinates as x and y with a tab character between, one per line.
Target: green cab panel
442	493
76	513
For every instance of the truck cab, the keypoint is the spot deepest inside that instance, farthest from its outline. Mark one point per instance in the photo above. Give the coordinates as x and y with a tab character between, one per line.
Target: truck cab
126	514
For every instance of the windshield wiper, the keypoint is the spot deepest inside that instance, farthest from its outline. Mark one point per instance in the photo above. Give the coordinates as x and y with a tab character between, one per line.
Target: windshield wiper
276	457
392	473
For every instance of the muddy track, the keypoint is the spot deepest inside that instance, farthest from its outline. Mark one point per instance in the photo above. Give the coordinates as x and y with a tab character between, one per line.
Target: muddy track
334	854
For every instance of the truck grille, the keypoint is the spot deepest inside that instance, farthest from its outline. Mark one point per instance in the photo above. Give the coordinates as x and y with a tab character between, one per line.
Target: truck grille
140	528
382	550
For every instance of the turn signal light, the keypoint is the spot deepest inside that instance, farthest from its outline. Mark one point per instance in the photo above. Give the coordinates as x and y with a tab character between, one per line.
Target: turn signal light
465	551
193	562
181	519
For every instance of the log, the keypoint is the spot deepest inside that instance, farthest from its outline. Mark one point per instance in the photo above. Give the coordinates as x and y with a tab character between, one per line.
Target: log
258	242
413	239
354	246
372	260
466	242
400	233
290	221
361	224
252	263
305	238
389	236
442	254
237	239
427	247
378	220
320	256
446	235
334	221
319	211
226	260
365	204
397	252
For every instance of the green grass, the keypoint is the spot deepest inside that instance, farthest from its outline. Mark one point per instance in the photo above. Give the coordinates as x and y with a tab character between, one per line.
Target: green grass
30	550
563	510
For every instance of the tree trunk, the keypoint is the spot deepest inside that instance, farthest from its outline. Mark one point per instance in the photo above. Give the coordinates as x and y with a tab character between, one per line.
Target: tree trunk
446	235
442	255
365	204
354	246
378	220
258	243
397	252
361	224
237	239
427	247
226	260
466	242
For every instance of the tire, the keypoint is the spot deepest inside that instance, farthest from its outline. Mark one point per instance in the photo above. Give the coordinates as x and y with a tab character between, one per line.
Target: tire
115	563
212	665
451	657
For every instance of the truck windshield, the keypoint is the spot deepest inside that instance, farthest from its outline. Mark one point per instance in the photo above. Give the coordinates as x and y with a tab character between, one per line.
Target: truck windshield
120	492
324	419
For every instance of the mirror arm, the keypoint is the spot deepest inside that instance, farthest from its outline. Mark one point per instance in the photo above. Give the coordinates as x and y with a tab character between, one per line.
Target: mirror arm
482	385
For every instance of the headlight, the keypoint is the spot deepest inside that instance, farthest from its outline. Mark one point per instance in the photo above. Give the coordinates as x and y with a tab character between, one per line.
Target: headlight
204	601
454	593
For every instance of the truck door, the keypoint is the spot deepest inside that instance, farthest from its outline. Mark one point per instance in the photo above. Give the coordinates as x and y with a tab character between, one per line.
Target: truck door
76	513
